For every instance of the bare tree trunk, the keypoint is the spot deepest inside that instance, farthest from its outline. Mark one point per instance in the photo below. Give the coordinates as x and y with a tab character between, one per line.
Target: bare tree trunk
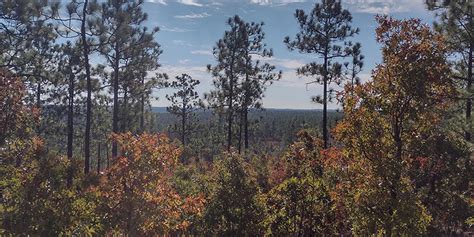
124	111
85	47
469	100
98	158
70	125
183	124
115	102
38	94
107	153
240	132
142	107
246	102
325	102
246	127
231	101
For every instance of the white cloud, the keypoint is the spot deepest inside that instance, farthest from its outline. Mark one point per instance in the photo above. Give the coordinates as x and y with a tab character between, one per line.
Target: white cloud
384	6
157	1
182	43
289	78
202	52
172	71
281	62
193	16
185	2
190	2
174	29
299	89
363	6
287	63
274	2
216	4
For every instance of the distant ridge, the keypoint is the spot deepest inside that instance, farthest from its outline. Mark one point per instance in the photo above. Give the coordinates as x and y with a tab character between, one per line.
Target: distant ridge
158	109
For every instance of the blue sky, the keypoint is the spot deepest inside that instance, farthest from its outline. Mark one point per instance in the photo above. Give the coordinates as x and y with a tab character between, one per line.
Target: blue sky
190	28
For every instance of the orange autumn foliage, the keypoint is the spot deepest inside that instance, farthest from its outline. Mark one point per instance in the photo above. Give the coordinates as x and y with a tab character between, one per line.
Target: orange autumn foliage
383	120
16	119
139	196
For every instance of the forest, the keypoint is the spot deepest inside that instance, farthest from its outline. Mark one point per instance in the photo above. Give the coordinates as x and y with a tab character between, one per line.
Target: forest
83	152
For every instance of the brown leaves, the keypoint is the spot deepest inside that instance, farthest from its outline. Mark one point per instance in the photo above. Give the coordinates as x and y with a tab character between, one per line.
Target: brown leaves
137	190
15	117
383	122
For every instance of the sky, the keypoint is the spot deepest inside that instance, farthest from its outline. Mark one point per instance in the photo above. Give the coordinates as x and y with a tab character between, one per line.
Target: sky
190	28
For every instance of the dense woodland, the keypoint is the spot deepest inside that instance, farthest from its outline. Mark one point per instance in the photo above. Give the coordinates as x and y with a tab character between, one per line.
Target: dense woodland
83	153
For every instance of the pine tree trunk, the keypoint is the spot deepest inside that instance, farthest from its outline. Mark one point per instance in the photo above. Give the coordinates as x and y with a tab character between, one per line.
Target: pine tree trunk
70	125
246	127
107	155
246	103
39	128
325	102
38	94
240	131
124	111
85	47
229	125
469	100
231	100
183	124
142	107
98	158
115	102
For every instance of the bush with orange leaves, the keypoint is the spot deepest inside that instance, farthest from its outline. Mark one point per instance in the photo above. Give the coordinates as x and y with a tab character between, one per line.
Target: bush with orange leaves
16	119
137	192
389	123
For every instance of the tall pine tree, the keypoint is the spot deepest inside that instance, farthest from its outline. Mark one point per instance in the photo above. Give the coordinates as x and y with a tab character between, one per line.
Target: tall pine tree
81	23
184	102
122	35
257	74
229	53
323	32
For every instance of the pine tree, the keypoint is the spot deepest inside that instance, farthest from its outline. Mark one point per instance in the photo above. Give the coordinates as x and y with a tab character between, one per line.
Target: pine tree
354	67
86	51
257	74
80	24
456	22
184	102
240	75
323	32
122	34
70	66
143	58
27	40
229	53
